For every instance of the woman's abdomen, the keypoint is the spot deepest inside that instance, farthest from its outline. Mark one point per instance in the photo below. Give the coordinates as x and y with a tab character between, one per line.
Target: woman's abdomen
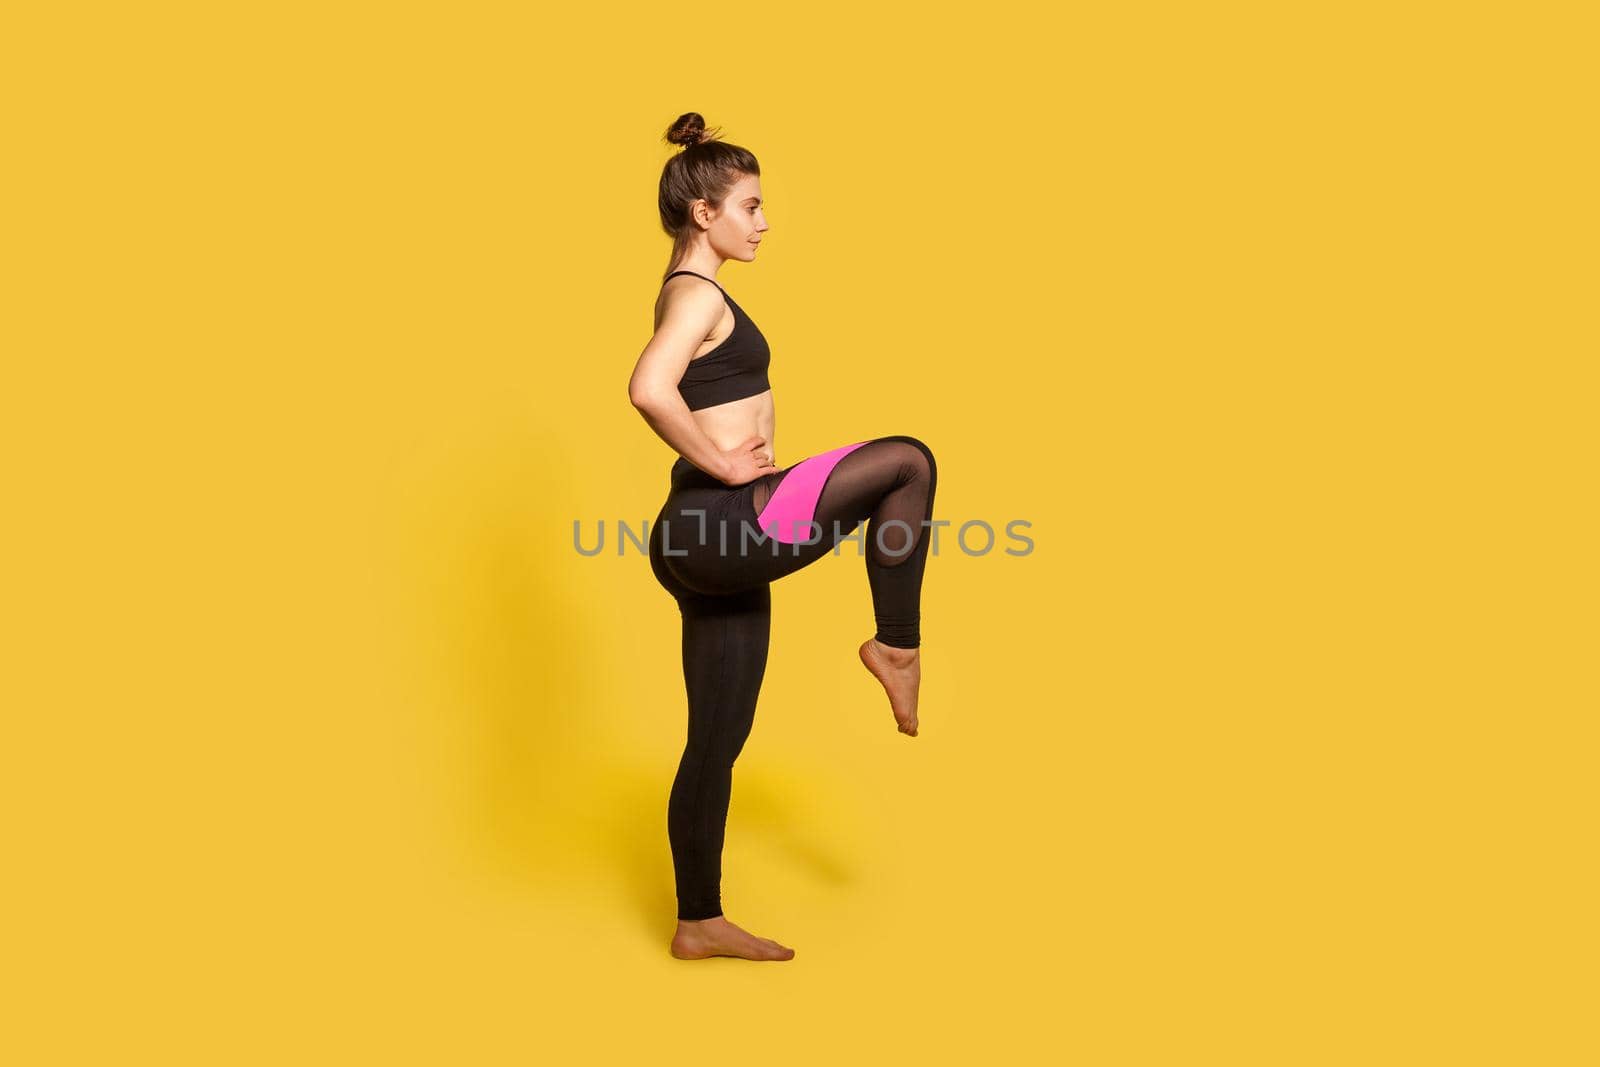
730	425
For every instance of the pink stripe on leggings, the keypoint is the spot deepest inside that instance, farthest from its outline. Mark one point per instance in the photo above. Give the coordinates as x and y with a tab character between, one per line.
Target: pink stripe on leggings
793	505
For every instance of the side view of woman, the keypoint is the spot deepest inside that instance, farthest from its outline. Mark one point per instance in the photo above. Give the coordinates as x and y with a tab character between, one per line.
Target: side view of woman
734	522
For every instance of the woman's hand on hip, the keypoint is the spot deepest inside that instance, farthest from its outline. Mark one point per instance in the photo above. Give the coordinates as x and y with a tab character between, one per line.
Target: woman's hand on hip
747	461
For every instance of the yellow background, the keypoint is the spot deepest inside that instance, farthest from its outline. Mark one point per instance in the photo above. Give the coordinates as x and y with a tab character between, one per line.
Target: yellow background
1276	321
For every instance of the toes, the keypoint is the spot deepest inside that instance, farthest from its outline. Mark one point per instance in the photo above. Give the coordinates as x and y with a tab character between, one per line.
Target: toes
782	950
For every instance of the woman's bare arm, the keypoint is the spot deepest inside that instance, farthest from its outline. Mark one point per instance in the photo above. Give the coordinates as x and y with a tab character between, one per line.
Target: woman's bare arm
691	312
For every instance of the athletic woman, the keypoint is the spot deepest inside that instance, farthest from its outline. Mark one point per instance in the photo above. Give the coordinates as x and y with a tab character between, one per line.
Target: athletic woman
734	522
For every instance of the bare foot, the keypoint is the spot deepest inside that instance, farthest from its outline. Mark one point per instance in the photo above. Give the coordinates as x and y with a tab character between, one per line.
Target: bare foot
900	671
699	938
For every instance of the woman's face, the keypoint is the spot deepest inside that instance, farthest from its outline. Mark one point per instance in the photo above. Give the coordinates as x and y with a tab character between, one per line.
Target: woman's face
736	228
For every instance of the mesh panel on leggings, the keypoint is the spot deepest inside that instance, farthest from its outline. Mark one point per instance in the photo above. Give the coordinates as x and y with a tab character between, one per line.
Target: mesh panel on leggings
890	482
856	487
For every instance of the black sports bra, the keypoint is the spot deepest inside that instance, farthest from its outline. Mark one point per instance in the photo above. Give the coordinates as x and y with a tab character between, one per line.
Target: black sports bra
733	370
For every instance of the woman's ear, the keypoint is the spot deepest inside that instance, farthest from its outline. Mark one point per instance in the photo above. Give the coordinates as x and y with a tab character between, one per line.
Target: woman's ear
701	212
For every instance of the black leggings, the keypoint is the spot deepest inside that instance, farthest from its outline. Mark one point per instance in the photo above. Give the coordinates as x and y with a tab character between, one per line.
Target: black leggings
716	548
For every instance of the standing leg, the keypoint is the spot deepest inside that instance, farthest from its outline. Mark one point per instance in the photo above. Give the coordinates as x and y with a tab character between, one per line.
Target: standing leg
724	658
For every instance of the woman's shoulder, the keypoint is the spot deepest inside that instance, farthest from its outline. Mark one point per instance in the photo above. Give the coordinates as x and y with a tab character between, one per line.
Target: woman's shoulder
690	295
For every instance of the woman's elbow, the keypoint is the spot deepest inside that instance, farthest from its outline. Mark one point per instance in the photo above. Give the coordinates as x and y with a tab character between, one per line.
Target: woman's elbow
646	398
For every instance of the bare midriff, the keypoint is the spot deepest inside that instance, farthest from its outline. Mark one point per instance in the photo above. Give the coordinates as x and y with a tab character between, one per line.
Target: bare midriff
730	425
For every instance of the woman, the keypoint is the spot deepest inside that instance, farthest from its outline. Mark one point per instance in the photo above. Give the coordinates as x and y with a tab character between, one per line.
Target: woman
733	522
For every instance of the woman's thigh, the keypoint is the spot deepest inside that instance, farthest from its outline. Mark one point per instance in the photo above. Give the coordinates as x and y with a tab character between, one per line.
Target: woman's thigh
735	539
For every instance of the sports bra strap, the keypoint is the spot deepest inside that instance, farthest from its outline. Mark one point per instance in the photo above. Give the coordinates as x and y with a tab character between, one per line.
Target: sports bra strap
675	273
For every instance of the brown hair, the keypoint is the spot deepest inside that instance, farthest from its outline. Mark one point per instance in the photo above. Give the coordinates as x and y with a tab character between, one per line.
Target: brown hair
705	170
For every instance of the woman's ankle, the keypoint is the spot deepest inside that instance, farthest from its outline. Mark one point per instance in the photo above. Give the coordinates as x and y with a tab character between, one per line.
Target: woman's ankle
702	922
894	653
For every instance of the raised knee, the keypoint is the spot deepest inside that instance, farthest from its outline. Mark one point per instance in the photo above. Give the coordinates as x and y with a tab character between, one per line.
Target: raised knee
922	447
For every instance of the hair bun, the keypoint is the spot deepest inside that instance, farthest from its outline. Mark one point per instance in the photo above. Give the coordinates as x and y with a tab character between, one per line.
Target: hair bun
689	130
